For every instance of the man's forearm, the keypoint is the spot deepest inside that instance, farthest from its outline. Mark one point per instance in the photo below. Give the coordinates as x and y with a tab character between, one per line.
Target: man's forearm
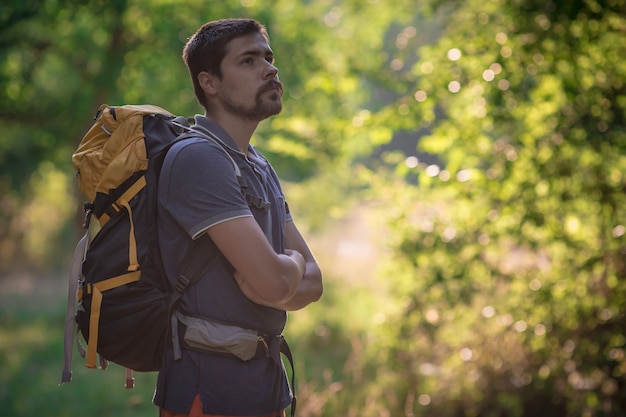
309	290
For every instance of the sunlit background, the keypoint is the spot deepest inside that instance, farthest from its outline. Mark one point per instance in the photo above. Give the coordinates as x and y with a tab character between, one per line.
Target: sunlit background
458	167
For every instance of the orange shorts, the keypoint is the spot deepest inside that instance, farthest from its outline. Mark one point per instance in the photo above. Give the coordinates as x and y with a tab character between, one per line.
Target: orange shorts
196	411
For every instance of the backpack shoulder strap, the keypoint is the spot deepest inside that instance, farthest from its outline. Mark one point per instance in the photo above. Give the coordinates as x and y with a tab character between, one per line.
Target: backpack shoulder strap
195	264
284	349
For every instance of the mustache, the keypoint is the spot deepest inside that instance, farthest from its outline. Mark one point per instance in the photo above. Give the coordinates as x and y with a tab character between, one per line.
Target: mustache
271	85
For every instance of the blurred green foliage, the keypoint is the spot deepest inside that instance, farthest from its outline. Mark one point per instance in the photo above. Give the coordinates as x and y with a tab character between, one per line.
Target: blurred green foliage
486	139
509	254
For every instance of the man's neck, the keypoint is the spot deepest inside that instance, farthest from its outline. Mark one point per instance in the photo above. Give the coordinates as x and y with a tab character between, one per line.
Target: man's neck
240	130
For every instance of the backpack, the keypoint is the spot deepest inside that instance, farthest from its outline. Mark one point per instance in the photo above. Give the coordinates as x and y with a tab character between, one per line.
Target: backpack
119	295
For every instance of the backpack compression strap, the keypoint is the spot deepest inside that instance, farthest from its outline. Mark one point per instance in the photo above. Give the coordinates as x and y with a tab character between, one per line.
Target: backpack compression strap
68	342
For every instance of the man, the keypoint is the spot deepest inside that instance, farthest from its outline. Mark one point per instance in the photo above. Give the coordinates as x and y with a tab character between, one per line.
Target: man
267	267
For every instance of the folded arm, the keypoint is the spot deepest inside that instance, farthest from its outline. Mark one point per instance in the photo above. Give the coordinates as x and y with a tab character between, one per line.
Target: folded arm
271	278
288	281
310	286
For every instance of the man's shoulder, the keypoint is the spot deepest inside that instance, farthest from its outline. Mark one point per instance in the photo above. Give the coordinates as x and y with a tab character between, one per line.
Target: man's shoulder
189	149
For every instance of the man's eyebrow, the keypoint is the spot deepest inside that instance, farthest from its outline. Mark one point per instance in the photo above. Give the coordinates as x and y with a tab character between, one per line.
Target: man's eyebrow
257	52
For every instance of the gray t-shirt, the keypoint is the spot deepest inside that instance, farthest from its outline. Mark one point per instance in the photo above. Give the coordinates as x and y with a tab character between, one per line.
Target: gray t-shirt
198	189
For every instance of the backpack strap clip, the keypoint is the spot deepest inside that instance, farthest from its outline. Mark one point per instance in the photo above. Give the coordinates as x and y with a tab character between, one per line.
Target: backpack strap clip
257	202
181	284
88	209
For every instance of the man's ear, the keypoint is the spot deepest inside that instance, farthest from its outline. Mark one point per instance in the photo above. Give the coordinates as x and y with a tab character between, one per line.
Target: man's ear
208	82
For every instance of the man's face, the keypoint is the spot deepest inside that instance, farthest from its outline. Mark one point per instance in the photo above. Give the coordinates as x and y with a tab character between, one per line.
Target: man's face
249	86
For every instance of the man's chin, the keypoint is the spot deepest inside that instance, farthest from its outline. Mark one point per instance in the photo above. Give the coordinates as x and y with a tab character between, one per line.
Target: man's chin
274	106
274	112
267	112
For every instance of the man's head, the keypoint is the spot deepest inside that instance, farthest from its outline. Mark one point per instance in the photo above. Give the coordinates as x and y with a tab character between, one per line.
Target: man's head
206	49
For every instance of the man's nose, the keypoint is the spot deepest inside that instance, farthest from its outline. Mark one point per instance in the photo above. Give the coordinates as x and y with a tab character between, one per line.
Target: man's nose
271	71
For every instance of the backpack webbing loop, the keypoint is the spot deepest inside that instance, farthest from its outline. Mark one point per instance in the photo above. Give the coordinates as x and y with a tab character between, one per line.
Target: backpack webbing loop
130	380
127	196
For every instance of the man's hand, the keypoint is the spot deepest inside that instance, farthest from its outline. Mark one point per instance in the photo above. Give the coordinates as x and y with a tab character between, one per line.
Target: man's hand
247	290
297	258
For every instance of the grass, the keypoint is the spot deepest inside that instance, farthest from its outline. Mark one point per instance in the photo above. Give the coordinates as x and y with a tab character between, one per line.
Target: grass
31	346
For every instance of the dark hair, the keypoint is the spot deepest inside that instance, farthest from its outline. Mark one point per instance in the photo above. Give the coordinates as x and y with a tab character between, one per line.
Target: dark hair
206	49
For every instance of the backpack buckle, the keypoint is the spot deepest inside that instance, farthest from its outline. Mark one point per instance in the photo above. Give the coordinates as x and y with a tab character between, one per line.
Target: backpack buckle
88	209
181	283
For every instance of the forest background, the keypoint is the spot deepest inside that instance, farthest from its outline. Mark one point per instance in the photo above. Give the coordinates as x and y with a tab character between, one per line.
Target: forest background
458	166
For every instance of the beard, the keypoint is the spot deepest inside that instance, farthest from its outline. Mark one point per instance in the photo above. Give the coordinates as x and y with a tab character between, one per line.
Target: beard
267	103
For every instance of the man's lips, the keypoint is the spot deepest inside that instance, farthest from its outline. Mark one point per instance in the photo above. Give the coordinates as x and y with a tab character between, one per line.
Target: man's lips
272	86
